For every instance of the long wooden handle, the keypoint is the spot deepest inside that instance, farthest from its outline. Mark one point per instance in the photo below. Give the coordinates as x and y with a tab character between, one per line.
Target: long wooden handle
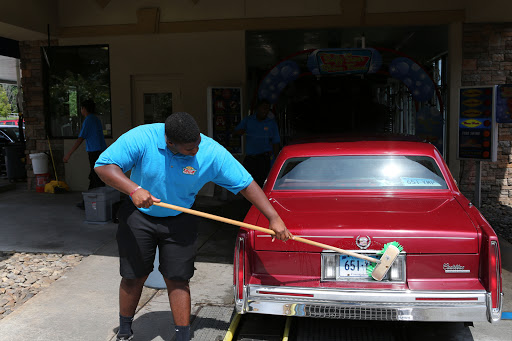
262	229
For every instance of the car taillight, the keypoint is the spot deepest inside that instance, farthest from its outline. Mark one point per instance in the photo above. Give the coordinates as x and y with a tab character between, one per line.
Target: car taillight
329	267
495	275
240	268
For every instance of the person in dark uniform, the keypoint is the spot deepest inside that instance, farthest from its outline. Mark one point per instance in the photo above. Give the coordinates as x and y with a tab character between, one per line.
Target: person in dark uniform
92	133
262	141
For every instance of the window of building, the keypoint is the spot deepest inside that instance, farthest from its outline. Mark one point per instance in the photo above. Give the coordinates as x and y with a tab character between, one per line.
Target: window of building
74	74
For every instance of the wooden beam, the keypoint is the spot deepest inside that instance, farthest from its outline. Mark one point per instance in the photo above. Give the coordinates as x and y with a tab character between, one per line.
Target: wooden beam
147	22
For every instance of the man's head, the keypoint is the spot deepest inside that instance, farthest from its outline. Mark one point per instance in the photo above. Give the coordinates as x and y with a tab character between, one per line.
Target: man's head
262	110
182	134
87	105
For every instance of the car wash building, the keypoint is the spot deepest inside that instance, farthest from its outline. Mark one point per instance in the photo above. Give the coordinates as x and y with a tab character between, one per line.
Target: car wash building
429	70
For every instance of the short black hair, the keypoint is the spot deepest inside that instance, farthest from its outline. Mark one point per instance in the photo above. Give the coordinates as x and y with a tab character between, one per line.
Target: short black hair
89	105
181	127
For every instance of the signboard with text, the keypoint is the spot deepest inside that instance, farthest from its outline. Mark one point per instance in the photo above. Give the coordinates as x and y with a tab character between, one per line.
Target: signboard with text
344	61
504	103
224	114
478	133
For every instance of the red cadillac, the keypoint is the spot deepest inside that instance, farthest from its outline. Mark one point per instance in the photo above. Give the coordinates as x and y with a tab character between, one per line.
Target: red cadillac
359	196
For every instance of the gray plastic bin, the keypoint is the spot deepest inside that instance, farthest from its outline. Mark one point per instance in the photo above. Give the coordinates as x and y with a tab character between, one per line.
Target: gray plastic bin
98	203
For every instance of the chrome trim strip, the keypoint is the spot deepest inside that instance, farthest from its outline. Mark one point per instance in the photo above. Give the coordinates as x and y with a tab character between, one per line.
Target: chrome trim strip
304	236
368	304
494	314
239	303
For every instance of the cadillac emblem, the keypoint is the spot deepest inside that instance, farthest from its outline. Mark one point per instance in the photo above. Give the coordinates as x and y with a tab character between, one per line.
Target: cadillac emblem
363	242
456	268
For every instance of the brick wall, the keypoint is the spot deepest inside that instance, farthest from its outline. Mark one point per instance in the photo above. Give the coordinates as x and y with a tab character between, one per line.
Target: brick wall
487	60
33	109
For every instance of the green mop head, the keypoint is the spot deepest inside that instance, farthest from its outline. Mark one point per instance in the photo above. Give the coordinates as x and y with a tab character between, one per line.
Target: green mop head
371	267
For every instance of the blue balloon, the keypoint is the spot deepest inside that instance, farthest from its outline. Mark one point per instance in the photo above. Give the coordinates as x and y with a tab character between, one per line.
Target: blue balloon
286	71
408	82
415	67
277	79
275	71
281	86
414	78
400	67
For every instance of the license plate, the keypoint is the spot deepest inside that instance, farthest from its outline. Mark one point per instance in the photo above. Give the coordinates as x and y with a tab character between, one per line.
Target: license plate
353	267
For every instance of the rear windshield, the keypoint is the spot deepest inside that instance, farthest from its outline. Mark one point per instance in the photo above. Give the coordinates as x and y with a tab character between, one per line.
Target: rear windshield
13	133
360	172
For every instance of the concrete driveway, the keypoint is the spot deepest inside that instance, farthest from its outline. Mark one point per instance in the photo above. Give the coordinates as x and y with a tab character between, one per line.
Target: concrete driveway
51	223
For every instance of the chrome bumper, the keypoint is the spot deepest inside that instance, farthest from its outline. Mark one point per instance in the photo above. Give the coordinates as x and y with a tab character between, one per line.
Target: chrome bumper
462	306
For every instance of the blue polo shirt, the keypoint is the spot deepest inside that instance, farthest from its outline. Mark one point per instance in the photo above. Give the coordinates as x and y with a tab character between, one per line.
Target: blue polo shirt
92	132
260	135
174	178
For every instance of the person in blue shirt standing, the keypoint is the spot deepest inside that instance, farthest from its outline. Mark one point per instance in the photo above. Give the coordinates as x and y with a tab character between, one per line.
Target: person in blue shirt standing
169	162
262	142
92	133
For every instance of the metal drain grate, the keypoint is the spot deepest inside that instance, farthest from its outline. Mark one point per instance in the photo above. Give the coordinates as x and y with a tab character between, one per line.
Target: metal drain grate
350	313
211	323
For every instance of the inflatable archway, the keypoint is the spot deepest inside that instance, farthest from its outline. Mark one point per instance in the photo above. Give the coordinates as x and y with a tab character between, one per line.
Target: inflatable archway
349	61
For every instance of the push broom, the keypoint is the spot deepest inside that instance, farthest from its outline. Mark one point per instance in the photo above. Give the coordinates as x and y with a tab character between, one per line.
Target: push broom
55	186
377	270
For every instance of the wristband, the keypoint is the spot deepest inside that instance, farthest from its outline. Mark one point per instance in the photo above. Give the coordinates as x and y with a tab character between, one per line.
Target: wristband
135	190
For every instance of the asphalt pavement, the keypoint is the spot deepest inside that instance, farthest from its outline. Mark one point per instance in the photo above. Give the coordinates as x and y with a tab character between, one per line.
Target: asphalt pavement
83	304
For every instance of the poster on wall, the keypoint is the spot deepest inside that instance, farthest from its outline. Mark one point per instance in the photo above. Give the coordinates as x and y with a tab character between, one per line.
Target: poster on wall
504	103
478	133
224	114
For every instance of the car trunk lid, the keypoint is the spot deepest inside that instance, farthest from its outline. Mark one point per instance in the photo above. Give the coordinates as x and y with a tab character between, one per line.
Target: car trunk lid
421	224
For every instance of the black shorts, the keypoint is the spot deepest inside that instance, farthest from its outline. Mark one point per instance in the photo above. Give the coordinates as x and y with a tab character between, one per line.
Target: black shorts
139	234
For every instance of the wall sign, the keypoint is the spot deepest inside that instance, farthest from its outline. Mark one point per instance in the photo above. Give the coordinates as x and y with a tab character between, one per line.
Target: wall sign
504	103
478	133
224	114
344	61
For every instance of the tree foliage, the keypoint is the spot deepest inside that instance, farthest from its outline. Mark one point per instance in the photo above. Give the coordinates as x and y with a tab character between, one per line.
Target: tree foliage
5	106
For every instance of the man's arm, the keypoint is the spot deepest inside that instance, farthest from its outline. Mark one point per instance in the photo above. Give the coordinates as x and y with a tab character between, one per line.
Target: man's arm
72	150
241	127
255	195
113	176
239	132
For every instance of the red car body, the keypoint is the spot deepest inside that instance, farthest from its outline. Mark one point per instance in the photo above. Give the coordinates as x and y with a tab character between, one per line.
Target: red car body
449	270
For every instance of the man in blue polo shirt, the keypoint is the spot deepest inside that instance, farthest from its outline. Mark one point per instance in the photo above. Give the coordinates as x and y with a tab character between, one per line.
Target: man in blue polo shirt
169	162
92	133
262	142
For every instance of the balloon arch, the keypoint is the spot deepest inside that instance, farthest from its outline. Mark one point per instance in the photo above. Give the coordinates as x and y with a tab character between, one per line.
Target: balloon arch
350	61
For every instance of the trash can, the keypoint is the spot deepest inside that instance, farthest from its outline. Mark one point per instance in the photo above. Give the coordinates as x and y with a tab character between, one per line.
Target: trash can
98	204
15	161
155	279
39	163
